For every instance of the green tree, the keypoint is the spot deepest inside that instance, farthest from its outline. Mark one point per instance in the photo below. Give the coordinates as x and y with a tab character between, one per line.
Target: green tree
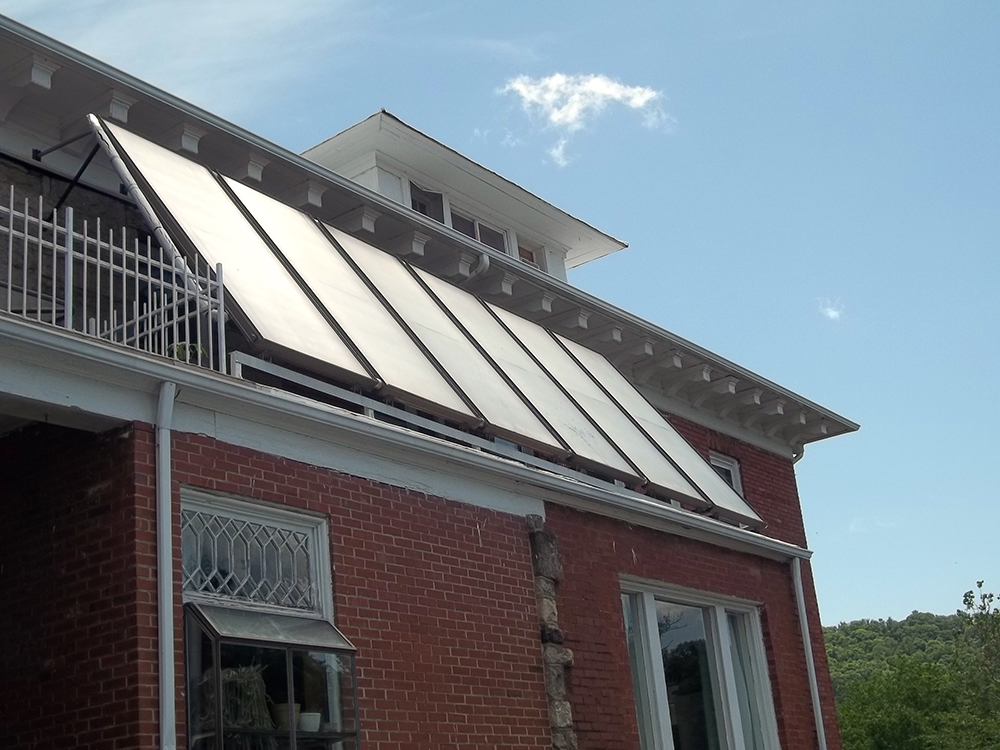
928	682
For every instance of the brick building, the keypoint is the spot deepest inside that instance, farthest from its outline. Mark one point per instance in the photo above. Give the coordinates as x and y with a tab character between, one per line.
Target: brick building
322	450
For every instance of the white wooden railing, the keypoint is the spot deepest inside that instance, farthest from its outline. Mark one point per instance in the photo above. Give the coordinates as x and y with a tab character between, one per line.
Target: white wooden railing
86	277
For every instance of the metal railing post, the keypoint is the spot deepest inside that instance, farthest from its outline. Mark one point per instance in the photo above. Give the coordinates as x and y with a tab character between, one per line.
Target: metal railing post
68	273
221	318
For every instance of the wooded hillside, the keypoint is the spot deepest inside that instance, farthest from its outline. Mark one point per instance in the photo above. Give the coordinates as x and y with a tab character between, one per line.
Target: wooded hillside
928	682
859	649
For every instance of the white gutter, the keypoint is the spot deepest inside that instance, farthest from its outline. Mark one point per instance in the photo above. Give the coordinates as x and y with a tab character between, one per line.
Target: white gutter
165	567
800	600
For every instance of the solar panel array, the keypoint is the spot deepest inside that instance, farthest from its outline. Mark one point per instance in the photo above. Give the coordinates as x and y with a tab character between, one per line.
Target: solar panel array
327	300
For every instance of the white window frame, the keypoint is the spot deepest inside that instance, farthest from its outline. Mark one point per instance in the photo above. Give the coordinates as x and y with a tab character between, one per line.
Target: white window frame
316	526
730	464
645	594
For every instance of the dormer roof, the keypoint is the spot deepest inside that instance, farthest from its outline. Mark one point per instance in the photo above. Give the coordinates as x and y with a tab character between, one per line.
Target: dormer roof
385	135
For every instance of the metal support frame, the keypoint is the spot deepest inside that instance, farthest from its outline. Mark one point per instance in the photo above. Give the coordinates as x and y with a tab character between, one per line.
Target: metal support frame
38	154
76	179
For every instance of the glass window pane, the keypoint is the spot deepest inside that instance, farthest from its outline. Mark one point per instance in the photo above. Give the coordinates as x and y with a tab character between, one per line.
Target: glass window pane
688	675
493	238
739	640
463	225
255	706
324	689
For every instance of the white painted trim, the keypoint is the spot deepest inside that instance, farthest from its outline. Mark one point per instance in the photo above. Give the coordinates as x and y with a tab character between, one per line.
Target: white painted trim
762	680
684	595
727	699
654	678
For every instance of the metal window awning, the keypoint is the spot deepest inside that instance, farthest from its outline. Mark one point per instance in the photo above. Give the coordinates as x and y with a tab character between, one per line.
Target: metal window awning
267	627
332	303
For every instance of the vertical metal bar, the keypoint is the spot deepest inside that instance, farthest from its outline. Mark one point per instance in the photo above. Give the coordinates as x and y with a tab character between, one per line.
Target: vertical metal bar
161	306
97	276
221	317
55	246
24	262
38	262
68	272
86	270
135	291
149	295
208	307
10	247
173	306
124	317
197	307
111	280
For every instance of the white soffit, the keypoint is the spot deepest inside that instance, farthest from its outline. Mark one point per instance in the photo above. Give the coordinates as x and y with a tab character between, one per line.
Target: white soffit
261	286
500	405
365	320
722	496
585	440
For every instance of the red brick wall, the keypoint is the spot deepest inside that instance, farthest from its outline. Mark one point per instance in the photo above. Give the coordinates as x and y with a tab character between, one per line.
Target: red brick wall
597	550
437	596
78	587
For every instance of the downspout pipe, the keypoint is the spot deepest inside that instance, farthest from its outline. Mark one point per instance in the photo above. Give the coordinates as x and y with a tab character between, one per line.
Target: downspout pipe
165	567
800	601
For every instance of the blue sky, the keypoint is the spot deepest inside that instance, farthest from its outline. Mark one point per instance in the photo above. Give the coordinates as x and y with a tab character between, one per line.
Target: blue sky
809	189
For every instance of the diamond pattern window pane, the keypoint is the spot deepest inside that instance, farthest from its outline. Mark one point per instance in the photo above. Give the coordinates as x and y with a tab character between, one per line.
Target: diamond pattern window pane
248	561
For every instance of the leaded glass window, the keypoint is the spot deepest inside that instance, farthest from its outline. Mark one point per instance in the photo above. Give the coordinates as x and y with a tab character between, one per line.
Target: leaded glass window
239	552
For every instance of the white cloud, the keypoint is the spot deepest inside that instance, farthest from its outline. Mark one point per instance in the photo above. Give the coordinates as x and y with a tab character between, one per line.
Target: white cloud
558	153
510	140
568	102
831	309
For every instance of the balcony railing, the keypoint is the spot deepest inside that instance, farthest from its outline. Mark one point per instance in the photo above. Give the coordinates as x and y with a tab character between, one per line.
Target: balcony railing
97	281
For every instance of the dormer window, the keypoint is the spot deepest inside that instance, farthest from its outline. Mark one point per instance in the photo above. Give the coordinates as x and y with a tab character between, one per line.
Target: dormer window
477	230
427	203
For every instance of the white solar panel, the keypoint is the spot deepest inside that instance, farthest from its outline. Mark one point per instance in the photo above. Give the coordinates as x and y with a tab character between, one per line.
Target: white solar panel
660	473
695	467
389	349
266	292
502	407
585	440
